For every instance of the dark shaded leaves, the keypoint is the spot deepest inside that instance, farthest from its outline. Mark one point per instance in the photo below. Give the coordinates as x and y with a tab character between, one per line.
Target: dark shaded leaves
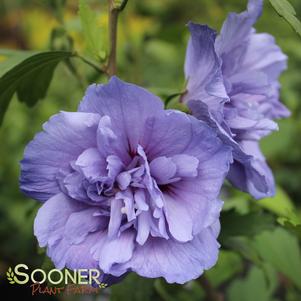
234	224
143	289
30	78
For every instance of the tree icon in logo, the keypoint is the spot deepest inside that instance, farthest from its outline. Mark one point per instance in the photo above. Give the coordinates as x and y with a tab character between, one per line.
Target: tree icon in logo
10	276
103	285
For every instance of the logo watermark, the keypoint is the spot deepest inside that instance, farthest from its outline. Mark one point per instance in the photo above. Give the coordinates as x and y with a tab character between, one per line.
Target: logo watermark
55	281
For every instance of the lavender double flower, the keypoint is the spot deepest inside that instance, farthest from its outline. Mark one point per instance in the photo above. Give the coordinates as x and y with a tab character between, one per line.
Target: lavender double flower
233	86
127	186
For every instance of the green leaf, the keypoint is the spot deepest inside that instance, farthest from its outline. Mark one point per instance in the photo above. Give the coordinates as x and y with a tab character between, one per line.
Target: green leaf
281	205
30	78
11	58
287	11
228	265
92	32
239	202
291	226
174	104
133	288
253	287
234	224
243	246
281	249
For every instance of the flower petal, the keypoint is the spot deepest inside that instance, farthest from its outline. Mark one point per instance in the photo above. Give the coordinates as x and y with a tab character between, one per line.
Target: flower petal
175	261
244	174
203	69
92	165
77	227
65	137
162	169
52	217
256	177
127	105
112	253
236	29
179	221
187	166
263	54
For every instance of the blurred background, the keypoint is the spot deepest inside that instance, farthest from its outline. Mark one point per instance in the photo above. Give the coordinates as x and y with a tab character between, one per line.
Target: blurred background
152	39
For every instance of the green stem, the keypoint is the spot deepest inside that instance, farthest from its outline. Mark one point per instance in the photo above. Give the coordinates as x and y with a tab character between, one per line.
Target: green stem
71	68
91	63
113	20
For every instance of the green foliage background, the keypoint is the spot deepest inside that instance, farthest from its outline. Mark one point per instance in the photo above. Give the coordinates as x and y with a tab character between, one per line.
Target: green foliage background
260	257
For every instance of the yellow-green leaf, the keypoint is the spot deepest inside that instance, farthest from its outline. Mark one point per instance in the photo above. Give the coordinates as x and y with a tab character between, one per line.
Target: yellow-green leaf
91	30
287	12
281	205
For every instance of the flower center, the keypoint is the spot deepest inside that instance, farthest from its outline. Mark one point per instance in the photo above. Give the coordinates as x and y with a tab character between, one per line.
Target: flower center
131	195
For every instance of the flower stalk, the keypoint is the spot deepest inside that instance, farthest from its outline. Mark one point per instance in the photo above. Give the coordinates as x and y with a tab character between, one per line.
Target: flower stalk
114	8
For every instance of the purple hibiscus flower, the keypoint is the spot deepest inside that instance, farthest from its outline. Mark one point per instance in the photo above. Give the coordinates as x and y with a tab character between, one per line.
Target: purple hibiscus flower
127	186
232	84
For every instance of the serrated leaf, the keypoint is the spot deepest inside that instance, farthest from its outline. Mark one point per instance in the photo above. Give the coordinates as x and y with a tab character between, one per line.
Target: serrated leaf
291	226
30	78
281	249
234	224
253	287
92	32
281	205
287	11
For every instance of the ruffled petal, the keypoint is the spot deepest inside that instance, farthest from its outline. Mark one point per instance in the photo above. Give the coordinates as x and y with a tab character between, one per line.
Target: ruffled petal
65	137
91	164
203	70
249	171
128	107
80	224
175	261
67	247
263	54
177	133
255	177
191	204
71	231
179	221
163	169
112	253
237	29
